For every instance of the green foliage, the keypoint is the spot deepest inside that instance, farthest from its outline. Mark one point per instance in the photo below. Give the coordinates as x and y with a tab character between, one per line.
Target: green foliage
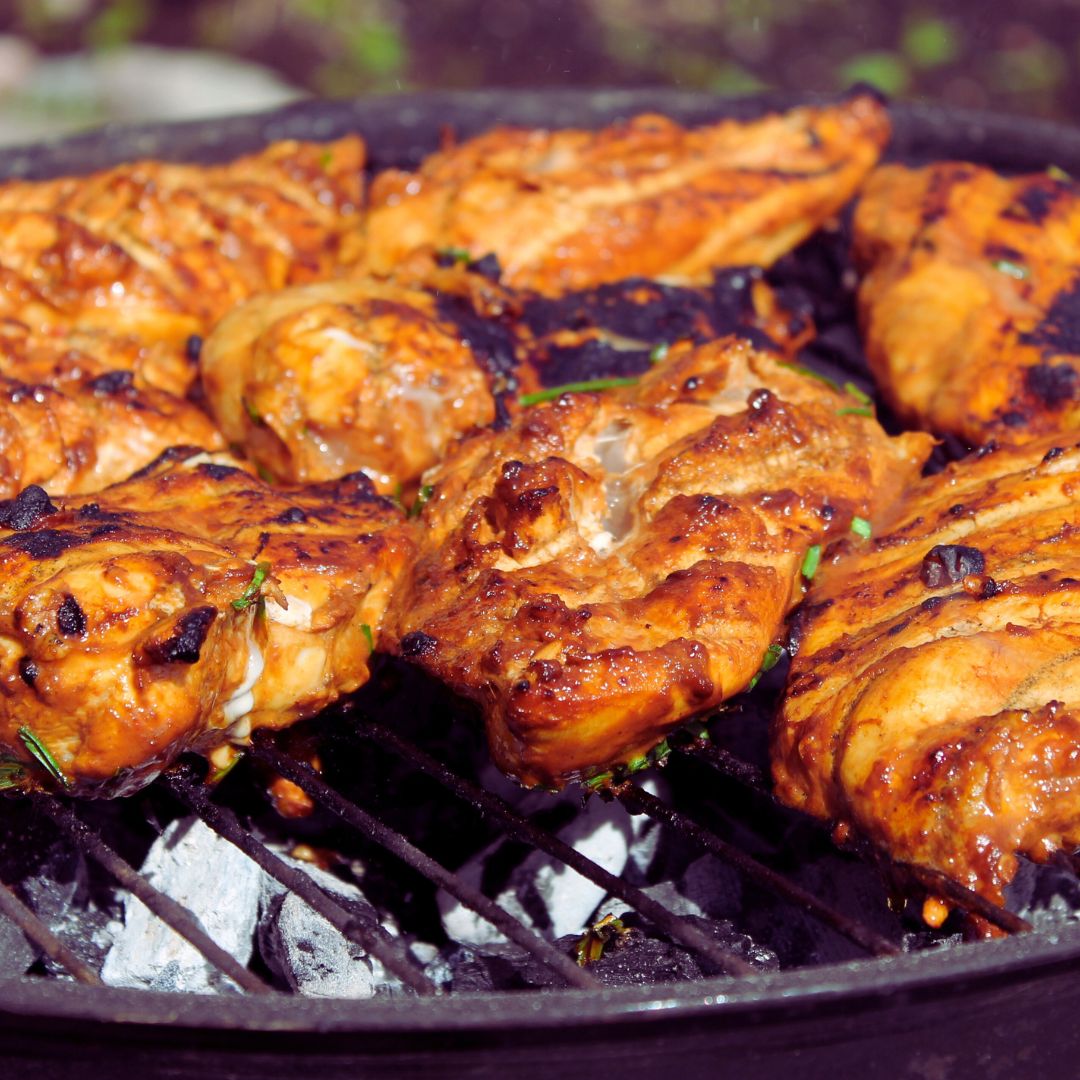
886	70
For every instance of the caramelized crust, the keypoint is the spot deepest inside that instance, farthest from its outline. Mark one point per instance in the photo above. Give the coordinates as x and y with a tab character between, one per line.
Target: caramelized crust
158	252
933	703
568	209
130	631
614	563
971	300
383	375
83	434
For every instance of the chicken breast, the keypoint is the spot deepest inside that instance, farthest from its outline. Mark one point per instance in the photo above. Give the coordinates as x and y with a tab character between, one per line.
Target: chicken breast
159	252
181	610
384	375
933	701
569	209
970	303
83	434
616	562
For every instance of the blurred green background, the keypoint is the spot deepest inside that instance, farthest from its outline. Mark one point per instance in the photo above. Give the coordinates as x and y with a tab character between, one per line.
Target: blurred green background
71	63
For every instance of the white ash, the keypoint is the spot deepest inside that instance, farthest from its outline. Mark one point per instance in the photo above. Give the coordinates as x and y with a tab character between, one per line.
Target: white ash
542	892
217	883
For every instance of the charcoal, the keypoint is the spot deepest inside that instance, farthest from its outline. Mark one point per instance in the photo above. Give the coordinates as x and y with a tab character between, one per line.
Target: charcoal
217	883
16	951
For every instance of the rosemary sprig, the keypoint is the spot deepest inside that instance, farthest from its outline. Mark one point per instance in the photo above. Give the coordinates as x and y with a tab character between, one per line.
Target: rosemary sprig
43	756
251	593
423	497
369	637
573	388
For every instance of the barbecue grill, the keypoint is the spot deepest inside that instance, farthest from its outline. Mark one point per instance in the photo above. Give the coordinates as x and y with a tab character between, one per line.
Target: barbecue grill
995	1008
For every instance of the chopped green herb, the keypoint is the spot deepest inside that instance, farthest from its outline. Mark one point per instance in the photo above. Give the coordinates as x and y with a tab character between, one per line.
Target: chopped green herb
369	637
251	593
12	773
573	388
423	497
458	254
396	497
219	774
41	754
637	764
1055	172
1014	270
861	527
597	938
809	373
659	352
326	159
265	474
856	410
253	413
858	394
595	783
811	562
768	662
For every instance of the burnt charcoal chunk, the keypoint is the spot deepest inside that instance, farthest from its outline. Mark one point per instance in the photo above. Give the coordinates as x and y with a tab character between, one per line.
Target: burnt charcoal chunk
949	564
28	670
418	644
112	382
183	645
45	543
70	618
1059	332
26	509
1053	384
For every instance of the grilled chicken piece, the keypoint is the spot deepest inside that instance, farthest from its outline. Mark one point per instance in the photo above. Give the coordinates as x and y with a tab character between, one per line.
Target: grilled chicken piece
971	300
83	434
933	702
128	634
568	209
383	376
158	252
616	562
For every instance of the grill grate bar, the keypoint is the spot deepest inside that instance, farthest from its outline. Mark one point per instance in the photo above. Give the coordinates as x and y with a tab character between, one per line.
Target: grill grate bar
950	889
374	939
308	780
522	829
44	938
639	801
164	907
724	761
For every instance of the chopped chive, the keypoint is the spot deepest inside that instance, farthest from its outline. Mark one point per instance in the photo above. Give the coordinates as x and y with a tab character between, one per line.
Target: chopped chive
248	596
637	764
41	754
1056	172
455	254
1014	270
858	393
658	352
856	410
810	373
768	662
369	637
326	159
573	388
253	414
423	496
595	783
861	527
811	562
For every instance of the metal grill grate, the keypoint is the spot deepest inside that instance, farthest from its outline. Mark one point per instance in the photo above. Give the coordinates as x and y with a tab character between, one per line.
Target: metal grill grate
188	790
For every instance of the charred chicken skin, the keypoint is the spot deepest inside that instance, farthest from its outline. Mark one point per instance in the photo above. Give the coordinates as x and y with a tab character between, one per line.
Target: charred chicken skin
181	610
81	435
933	702
569	209
970	302
613	563
383	376
154	252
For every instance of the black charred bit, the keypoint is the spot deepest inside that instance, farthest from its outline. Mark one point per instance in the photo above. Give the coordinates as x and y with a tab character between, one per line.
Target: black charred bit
112	382
185	642
28	670
44	543
949	564
70	618
26	509
1052	384
418	644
